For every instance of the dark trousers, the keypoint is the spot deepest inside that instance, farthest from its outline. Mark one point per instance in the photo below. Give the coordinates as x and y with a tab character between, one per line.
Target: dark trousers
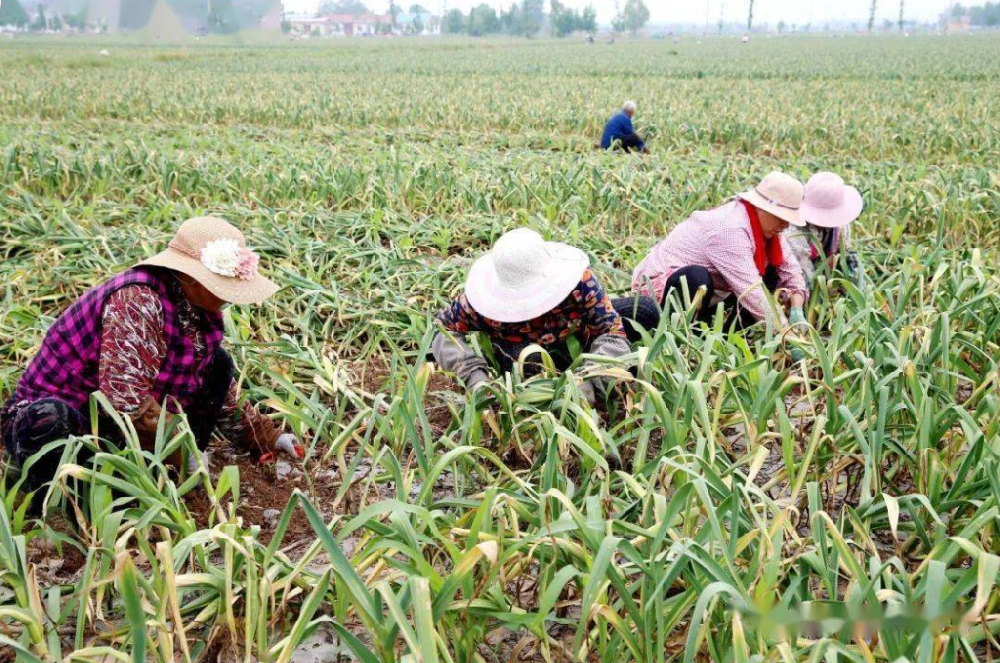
697	277
628	142
30	427
642	310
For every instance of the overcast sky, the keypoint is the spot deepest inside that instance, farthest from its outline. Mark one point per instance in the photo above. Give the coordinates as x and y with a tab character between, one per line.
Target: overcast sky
675	11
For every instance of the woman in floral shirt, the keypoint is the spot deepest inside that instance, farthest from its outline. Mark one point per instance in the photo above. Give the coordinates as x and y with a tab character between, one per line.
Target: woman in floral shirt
149	339
527	291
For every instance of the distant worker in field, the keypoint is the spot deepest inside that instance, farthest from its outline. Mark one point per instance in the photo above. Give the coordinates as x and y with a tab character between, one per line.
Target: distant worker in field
149	338
828	208
528	291
619	133
734	252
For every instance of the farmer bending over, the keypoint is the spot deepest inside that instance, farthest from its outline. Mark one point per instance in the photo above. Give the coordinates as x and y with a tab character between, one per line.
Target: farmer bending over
734	252
149	338
529	291
828	208
618	132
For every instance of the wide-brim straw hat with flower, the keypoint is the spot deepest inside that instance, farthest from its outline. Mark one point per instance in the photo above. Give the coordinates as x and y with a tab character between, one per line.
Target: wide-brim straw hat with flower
215	254
779	194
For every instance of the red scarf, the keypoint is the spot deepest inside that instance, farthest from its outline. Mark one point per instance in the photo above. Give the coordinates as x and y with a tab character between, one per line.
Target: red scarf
765	251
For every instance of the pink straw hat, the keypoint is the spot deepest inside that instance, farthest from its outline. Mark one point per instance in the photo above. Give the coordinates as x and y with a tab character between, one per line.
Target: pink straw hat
829	203
523	277
779	194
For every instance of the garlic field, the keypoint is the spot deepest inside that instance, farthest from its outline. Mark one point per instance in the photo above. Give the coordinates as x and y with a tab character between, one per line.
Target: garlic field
843	509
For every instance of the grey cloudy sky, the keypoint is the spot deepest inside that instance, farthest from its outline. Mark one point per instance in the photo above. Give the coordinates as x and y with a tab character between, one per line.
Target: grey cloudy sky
672	11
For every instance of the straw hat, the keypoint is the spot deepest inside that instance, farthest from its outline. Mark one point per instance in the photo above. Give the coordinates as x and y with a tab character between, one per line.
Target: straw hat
523	277
215	254
829	203
779	194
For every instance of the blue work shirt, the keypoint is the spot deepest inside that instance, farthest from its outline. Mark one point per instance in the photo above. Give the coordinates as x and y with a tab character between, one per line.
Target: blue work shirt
619	126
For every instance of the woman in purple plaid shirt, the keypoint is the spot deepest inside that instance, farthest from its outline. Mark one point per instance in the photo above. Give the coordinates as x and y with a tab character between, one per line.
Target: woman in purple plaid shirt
148	339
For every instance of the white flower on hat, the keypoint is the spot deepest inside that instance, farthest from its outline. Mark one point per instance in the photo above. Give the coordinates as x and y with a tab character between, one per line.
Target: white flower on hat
221	256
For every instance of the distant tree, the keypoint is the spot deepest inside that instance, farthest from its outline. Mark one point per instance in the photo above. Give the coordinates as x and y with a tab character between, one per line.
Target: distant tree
483	20
41	23
76	21
393	10
454	22
12	13
56	23
532	17
588	19
957	11
286	27
562	19
634	16
750	17
510	20
871	15
353	7
418	9
223	17
886	25
781	27
901	5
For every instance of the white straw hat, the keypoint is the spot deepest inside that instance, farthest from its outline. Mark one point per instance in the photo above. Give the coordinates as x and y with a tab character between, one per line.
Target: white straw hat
779	194
523	277
215	254
829	203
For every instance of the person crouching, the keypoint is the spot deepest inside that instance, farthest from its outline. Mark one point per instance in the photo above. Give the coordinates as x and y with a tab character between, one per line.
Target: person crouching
148	339
528	291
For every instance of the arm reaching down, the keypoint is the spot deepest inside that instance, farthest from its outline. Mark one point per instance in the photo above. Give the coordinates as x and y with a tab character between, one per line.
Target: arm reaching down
731	255
451	352
602	328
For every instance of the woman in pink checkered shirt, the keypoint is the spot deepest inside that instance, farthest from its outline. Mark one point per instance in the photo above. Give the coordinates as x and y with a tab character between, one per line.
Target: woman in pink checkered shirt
736	254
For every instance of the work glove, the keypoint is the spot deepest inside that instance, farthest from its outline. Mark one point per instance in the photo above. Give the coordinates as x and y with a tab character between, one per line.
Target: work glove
797	318
286	444
197	461
853	270
587	389
477	380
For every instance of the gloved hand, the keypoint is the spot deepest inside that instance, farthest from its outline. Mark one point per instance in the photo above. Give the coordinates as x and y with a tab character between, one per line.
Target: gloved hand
477	380
197	461
797	355
587	389
286	444
797	318
853	270
289	444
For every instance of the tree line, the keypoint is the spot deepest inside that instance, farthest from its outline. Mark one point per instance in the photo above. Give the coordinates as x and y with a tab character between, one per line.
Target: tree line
528	17
987	16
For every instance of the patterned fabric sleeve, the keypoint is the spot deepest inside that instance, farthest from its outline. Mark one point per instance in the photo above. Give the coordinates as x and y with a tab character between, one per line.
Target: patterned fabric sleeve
600	316
461	318
133	346
246	425
450	350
